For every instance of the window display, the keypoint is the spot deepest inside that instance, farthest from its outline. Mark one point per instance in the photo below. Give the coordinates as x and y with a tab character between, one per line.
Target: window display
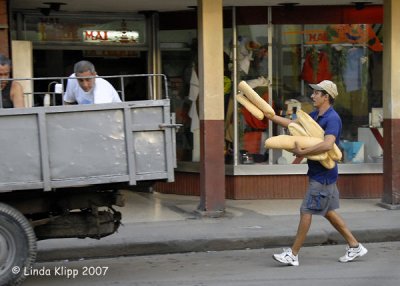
179	64
280	68
348	54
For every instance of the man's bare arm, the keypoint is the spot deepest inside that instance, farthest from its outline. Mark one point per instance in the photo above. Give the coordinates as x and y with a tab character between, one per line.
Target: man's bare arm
280	120
17	95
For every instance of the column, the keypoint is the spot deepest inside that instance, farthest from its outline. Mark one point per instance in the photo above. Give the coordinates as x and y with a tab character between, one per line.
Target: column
4	41
211	107
391	105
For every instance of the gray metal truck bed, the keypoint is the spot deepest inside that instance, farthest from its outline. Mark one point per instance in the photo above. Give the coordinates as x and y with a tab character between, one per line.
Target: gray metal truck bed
62	167
70	146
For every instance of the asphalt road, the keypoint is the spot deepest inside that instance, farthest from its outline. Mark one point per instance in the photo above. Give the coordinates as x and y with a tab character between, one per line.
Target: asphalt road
318	266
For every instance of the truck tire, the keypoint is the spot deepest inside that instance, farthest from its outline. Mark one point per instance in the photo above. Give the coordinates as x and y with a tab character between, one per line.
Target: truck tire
17	245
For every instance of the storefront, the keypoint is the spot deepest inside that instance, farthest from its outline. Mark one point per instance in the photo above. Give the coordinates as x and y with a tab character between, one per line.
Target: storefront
278	50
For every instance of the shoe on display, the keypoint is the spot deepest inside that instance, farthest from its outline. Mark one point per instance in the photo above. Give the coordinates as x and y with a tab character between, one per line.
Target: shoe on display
263	81
287	257
353	252
260	81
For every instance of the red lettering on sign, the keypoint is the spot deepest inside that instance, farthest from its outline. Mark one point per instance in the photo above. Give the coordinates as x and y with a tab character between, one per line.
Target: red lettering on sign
317	37
96	35
88	34
312	37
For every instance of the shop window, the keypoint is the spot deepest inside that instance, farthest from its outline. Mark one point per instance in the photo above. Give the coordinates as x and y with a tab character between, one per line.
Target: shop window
179	62
180	65
252	67
351	56
302	53
348	54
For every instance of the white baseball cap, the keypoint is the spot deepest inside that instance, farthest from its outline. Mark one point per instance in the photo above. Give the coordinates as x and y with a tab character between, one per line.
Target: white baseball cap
326	85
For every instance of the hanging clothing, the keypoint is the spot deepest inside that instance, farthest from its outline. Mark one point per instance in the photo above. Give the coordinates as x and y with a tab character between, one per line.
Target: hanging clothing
253	136
316	67
251	141
252	121
244	56
352	73
195	122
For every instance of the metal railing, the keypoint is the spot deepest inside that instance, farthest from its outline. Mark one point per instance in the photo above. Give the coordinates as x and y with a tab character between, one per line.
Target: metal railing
56	88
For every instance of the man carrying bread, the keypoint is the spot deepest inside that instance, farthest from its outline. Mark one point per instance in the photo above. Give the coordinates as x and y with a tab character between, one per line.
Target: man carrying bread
324	126
322	196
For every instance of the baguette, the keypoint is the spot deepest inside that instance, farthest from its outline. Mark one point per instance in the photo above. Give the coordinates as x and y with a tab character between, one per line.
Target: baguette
257	113
288	142
256	99
328	163
310	125
335	153
317	157
296	129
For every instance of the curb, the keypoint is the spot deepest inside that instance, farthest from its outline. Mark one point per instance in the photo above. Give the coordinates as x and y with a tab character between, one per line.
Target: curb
124	248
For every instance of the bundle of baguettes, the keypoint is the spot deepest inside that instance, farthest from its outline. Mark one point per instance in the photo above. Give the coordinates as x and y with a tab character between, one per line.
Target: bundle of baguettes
306	132
313	129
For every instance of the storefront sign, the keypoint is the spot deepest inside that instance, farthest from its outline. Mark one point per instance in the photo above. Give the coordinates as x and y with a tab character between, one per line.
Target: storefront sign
84	31
97	36
361	34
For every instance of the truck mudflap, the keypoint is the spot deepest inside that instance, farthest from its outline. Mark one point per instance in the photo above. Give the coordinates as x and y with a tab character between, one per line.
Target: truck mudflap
81	224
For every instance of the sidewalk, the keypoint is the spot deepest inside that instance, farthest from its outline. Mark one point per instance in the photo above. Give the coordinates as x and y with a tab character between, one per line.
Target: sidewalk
158	223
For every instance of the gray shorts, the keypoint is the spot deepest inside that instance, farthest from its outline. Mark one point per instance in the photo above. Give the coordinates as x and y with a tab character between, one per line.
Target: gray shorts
320	198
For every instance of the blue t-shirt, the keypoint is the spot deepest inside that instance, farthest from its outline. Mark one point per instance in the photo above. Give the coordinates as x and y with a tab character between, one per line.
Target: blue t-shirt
332	125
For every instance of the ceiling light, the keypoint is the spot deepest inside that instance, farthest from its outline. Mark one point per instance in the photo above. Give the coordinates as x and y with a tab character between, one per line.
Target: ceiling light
45	11
288	5
361	5
54	6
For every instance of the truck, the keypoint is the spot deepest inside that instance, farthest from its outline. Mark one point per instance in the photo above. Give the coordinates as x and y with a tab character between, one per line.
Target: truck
63	168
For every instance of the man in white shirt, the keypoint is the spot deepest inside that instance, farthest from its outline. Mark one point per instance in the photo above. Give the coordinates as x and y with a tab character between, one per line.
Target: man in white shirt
84	88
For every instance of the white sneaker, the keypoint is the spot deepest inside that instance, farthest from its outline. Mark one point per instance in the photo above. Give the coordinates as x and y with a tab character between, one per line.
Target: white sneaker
287	257
353	252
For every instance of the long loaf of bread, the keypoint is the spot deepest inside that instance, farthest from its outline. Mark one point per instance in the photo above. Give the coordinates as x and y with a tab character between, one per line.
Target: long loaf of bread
288	142
296	129
310	125
257	113
256	99
335	153
328	163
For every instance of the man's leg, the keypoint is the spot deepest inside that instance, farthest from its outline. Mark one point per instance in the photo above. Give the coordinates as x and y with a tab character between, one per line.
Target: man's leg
302	230
339	224
354	248
289	255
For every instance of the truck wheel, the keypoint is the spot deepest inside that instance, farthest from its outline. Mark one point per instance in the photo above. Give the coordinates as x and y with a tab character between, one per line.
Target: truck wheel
17	245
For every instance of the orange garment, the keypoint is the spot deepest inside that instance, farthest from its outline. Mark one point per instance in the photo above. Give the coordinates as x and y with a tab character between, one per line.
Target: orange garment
316	67
252	141
253	122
